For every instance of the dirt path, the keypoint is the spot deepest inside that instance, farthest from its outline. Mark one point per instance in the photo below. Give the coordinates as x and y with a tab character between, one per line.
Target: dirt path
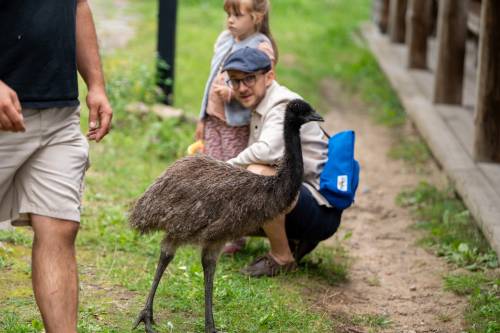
390	275
114	24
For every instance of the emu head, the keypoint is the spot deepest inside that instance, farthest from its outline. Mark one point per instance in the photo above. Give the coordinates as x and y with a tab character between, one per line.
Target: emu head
299	112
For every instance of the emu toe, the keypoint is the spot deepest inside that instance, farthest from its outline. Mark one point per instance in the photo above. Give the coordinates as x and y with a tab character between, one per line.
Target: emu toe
146	317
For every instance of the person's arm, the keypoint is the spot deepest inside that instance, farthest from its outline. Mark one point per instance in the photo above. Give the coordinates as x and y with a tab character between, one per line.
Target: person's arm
269	147
199	133
267	49
222	89
89	66
11	118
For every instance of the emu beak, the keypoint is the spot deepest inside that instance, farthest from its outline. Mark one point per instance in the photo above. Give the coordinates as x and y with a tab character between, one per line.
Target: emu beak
314	117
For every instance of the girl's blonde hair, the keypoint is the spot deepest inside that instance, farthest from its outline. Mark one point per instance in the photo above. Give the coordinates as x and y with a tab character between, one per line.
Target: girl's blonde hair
260	7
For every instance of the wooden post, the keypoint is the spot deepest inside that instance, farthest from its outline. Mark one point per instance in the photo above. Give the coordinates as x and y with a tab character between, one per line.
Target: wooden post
397	17
167	14
418	18
433	12
452	31
487	120
381	14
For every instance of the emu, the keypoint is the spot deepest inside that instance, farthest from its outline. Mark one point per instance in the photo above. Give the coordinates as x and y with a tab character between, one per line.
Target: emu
199	200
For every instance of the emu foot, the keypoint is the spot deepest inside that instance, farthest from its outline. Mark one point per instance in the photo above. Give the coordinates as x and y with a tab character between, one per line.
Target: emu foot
146	316
210	328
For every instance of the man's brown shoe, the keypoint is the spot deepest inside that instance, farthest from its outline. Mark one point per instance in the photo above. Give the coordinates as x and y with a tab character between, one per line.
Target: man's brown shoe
267	266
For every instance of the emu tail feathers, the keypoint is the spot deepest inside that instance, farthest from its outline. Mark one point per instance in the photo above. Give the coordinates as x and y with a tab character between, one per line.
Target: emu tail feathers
139	217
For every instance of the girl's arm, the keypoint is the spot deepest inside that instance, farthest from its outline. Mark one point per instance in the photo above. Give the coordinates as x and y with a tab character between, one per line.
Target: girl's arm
267	49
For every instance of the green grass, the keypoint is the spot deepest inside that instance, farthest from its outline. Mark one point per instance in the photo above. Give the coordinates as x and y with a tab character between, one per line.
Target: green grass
412	150
451	230
451	233
317	40
373	321
483	291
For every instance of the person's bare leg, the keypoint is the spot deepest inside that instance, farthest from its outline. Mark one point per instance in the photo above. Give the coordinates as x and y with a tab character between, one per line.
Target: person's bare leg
54	273
276	233
275	229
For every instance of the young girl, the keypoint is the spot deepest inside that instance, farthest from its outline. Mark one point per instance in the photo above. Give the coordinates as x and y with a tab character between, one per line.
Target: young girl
223	123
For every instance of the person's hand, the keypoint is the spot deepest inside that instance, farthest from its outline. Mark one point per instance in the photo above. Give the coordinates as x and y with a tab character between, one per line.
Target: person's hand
100	114
11	118
224	92
200	130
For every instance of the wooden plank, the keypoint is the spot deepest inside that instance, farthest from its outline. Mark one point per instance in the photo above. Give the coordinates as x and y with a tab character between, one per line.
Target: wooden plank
470	72
458	119
425	81
418	17
444	146
441	140
482	201
470	181
487	131
470	76
492	172
461	123
451	52
397	20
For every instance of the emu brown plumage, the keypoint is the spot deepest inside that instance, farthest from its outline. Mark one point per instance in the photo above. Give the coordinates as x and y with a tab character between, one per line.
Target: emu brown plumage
199	200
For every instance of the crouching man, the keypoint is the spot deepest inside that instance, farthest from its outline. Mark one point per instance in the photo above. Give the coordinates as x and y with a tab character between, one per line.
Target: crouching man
312	219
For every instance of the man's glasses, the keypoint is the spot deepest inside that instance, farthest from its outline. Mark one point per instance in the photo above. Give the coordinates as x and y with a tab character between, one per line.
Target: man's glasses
248	81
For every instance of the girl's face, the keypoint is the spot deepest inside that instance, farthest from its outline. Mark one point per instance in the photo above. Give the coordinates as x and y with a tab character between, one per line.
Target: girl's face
241	25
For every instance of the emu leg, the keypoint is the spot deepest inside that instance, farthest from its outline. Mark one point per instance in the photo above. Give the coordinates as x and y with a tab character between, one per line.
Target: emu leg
146	315
209	257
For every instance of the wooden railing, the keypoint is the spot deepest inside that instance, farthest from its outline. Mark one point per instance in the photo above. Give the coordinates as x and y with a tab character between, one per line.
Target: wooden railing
453	21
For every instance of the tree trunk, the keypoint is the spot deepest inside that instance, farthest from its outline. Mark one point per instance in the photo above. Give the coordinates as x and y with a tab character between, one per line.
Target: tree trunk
381	14
397	16
487	120
418	18
452	31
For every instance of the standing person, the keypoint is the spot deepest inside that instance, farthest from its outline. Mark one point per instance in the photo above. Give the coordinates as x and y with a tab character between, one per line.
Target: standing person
312	219
43	154
223	123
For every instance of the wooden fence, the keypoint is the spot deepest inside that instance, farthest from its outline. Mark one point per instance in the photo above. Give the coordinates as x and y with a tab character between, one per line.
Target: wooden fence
453	22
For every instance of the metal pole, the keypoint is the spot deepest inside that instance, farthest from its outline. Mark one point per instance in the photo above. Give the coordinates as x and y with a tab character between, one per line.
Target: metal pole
167	15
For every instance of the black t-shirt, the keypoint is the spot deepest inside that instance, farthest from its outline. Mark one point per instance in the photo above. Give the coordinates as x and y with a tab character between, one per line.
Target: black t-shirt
37	51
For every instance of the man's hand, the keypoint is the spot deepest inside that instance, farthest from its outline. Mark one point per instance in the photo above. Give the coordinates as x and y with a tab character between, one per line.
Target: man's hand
89	66
100	114
11	118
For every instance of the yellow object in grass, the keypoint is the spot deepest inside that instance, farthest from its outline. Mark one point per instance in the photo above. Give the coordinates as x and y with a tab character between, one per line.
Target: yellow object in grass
196	147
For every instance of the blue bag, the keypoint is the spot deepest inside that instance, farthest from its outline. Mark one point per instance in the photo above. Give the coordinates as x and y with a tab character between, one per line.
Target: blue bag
340	177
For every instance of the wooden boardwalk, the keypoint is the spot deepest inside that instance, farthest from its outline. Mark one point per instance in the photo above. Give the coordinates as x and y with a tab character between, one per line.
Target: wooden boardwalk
448	130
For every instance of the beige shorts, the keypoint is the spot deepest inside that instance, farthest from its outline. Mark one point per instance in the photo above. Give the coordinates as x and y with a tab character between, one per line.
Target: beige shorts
42	169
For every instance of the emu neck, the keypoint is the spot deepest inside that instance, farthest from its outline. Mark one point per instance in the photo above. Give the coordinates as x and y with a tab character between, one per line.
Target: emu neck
291	171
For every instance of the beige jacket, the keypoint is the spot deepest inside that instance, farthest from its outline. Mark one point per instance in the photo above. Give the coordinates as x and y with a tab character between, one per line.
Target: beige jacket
266	145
